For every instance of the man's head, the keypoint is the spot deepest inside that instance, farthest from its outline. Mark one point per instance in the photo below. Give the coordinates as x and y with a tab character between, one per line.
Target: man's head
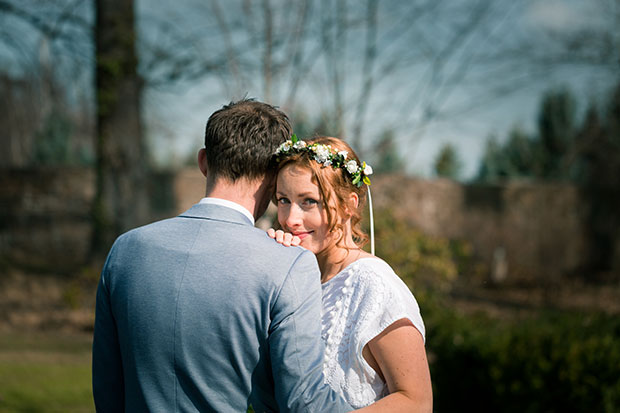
241	138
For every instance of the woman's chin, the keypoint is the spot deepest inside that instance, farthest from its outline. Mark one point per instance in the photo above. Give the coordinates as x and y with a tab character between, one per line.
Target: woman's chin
308	245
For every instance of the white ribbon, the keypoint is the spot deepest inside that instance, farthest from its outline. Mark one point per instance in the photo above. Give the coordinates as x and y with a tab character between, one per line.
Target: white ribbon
372	223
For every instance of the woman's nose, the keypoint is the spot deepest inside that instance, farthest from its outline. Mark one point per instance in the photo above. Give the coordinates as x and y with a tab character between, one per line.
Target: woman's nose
294	218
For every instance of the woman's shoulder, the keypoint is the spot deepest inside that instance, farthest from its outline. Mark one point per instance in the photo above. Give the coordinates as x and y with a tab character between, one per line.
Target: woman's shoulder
371	277
376	268
373	262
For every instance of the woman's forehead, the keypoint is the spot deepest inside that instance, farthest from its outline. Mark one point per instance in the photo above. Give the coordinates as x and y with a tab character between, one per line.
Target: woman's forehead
296	176
295	169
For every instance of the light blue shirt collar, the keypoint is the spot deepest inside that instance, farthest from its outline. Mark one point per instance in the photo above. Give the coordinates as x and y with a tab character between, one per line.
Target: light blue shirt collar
228	204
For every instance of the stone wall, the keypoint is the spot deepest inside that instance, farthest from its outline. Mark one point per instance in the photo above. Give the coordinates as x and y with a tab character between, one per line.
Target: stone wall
522	231
45	217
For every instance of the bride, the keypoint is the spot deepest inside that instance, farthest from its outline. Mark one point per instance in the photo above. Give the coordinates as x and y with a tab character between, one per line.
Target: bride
371	324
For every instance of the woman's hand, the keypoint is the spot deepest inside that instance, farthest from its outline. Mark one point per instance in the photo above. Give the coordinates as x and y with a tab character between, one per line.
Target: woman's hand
284	238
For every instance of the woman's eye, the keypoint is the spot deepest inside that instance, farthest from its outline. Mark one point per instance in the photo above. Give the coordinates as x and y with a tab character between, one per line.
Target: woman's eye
283	200
310	201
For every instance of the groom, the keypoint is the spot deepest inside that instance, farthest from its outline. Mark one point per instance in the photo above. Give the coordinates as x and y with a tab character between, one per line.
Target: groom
204	312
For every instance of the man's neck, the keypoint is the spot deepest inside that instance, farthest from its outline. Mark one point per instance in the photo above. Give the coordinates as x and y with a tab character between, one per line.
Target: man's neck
248	194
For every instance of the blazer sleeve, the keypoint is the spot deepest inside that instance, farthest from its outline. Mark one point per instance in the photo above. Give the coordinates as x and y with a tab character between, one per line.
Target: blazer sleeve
295	344
108	383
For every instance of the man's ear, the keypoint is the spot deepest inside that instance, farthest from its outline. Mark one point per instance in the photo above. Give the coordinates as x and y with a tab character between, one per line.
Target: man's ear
202	161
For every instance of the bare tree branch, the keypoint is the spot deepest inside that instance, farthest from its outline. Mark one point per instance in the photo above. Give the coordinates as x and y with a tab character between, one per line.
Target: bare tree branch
231	51
367	69
268	48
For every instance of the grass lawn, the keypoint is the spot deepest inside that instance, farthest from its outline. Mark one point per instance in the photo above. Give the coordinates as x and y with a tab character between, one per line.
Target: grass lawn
45	373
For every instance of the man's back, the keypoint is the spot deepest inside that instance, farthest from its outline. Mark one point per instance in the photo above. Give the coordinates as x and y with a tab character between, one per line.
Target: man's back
200	309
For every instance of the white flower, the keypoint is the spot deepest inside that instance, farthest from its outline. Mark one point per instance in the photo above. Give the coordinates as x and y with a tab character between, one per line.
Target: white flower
322	153
299	144
285	147
351	166
327	163
368	170
343	154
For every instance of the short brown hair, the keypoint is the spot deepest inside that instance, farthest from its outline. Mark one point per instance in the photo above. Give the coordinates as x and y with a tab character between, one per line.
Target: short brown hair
335	186
241	138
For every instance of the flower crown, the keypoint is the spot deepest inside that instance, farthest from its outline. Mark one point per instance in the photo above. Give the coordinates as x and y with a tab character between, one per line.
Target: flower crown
324	154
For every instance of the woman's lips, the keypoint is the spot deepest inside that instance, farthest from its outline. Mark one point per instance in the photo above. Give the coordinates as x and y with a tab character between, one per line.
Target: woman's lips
302	235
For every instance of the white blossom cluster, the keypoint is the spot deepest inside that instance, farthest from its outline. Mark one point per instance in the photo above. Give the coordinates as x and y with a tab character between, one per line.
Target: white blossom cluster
324	154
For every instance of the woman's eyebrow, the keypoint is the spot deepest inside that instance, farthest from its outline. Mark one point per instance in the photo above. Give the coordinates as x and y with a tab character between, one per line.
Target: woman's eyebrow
311	194
301	194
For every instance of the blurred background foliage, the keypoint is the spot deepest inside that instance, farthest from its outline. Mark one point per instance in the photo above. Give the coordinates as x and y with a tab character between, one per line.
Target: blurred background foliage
582	150
551	362
566	146
424	262
548	360
447	162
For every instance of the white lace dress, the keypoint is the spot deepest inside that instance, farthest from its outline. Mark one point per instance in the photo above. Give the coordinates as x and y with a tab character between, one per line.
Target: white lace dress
358	304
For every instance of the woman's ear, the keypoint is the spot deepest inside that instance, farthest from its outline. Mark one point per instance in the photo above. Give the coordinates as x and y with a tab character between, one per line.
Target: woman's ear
354	201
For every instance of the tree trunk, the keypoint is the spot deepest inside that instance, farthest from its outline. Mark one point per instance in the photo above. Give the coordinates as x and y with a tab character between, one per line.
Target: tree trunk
121	198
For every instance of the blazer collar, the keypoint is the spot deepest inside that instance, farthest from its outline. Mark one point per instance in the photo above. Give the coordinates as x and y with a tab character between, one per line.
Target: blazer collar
216	213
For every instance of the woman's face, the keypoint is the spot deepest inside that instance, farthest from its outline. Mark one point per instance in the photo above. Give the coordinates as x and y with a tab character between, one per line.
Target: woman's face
300	208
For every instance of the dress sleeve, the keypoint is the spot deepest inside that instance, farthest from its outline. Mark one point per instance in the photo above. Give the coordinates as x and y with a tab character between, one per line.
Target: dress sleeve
384	298
295	343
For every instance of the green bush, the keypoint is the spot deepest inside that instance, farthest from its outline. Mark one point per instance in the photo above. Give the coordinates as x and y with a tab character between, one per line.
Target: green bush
552	362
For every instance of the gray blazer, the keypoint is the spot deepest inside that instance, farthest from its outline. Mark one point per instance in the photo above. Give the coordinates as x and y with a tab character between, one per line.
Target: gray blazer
204	312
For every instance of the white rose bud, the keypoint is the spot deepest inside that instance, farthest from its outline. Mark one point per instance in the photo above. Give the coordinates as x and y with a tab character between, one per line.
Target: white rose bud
351	166
322	153
368	170
343	154
299	144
